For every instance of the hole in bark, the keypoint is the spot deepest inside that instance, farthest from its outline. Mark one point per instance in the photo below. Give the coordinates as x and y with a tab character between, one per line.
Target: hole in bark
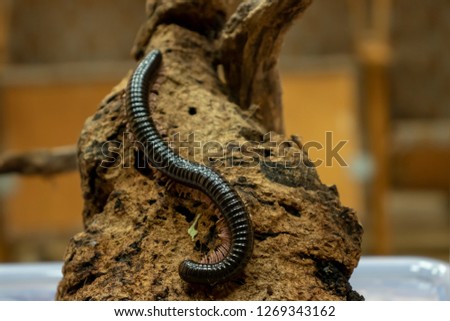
201	247
290	209
118	205
83	282
192	111
266	202
185	212
212	234
157	281
162	296
267	152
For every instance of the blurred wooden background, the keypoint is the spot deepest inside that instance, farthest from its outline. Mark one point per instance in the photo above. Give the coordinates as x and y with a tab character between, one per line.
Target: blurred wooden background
374	74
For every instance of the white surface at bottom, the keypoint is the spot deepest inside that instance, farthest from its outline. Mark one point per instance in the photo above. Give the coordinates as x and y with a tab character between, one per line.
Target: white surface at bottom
376	278
402	279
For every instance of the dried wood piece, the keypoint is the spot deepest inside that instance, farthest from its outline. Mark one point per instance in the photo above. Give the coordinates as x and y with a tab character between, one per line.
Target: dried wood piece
203	16
306	242
250	44
40	162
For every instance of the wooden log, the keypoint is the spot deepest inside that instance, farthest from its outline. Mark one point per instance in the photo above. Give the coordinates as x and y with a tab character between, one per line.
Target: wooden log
306	243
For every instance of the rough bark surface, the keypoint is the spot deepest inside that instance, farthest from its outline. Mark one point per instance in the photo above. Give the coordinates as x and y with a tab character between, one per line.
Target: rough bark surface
307	243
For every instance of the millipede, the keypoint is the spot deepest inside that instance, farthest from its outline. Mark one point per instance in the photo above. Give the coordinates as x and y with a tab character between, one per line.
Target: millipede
231	257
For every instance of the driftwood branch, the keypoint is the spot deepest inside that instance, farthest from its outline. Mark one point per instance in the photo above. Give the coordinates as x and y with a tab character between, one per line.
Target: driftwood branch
40	162
248	39
250	45
203	16
306	243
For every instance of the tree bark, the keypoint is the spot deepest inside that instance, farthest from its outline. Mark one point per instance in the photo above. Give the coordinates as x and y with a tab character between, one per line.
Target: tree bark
44	162
307	243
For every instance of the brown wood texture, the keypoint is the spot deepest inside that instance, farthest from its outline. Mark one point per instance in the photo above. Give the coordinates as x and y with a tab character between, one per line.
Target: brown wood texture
134	237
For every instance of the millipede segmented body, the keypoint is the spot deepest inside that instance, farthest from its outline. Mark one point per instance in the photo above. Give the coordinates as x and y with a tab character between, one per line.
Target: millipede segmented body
231	258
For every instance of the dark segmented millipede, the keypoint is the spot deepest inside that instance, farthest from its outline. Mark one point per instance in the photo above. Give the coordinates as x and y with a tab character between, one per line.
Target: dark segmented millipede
230	258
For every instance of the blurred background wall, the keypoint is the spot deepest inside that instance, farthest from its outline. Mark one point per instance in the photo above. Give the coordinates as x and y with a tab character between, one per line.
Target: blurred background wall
367	77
